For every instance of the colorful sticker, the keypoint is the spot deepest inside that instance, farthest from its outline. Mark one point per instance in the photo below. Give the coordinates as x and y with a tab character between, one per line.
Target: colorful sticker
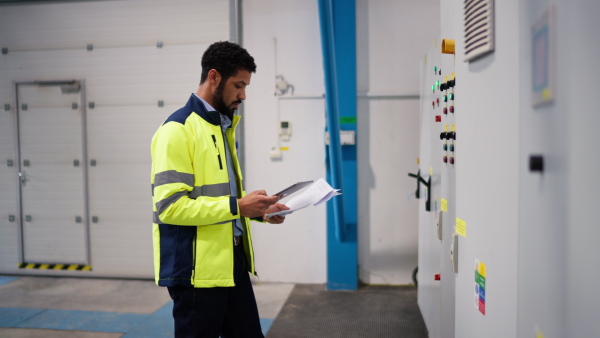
444	205
480	286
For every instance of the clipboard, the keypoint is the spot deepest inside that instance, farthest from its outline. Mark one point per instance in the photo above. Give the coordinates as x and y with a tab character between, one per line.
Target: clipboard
292	189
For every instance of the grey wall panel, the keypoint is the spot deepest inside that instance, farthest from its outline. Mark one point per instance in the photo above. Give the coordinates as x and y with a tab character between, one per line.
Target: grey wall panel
74	25
126	77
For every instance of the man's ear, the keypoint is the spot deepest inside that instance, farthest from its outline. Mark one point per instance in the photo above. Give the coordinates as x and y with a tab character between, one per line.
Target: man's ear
214	77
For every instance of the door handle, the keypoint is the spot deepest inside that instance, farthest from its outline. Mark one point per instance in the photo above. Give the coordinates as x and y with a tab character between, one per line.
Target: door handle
23	177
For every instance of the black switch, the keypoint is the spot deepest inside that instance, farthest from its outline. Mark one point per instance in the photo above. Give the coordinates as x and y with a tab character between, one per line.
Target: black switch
536	163
443	135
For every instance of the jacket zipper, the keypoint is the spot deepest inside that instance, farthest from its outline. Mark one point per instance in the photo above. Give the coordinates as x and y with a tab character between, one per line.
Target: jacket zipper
218	152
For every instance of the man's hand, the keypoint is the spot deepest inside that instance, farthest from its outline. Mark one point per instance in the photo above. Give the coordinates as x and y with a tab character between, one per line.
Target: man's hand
256	203
278	219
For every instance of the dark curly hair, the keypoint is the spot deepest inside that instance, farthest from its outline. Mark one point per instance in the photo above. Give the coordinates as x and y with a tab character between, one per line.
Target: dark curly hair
227	58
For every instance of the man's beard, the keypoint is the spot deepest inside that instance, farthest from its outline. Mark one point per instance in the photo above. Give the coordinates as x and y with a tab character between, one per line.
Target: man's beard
220	104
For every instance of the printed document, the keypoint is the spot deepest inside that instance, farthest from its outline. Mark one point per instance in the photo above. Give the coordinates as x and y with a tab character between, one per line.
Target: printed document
319	192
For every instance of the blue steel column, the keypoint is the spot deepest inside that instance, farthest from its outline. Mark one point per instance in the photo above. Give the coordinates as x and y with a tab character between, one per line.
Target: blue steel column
338	39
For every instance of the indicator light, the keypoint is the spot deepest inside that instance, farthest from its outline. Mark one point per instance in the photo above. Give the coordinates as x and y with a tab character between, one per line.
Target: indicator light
452	160
433	88
445	110
445	98
437	276
445	159
452	147
435	69
445	147
437	84
432	104
452	96
438	101
452	109
438	118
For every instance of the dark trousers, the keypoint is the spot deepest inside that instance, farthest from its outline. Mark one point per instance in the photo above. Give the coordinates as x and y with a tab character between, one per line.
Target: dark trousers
225	311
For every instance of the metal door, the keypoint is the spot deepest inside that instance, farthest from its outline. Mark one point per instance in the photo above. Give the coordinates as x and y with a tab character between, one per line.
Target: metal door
51	148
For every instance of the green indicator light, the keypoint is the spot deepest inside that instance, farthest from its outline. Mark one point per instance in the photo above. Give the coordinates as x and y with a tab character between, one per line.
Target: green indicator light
437	84
433	88
452	96
435	69
445	98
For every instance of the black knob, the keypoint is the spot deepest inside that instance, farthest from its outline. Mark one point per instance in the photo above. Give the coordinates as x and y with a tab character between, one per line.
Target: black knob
443	135
536	163
443	86
450	135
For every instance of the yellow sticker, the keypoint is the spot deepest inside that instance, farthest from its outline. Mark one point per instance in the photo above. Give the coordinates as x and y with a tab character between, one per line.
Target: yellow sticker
482	269
452	76
546	94
444	205
418	160
430	171
284	148
454	127
461	227
446	78
446	127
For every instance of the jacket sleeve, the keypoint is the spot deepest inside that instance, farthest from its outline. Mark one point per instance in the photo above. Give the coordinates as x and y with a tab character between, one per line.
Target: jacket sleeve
173	148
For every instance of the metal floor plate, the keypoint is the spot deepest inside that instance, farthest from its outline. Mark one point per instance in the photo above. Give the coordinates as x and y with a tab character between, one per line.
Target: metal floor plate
372	311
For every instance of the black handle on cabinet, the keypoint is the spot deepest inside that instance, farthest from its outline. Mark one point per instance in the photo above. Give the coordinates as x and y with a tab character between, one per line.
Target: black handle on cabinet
427	184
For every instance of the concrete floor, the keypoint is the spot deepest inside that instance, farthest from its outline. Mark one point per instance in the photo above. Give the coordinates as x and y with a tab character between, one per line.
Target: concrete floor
57	307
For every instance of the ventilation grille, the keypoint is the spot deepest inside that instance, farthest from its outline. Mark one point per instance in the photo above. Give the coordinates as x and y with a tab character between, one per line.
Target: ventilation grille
479	28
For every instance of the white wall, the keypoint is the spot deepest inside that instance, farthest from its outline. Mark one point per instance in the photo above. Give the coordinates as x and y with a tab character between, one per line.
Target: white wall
295	250
391	37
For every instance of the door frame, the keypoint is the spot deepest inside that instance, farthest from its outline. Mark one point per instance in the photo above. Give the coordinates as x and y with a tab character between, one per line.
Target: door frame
82	109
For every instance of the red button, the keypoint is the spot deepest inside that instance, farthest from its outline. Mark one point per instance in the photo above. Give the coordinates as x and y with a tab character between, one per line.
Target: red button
438	118
433	104
451	160
445	159
452	109
445	110
437	276
438	101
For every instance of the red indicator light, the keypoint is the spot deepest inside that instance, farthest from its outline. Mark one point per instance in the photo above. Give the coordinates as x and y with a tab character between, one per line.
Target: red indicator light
445	159
451	160
445	110
452	109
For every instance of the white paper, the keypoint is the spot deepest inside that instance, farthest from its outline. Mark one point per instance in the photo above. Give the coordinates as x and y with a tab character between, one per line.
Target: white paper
317	193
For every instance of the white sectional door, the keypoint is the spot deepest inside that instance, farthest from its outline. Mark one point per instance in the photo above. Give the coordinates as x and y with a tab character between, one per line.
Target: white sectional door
52	172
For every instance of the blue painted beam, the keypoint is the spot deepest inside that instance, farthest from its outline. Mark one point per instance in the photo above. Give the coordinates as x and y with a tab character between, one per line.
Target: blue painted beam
338	39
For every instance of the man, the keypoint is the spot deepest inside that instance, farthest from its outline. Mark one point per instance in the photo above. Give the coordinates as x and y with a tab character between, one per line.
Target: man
202	241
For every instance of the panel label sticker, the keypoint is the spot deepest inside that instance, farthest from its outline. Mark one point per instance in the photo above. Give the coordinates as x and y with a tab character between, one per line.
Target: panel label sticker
444	205
480	286
461	227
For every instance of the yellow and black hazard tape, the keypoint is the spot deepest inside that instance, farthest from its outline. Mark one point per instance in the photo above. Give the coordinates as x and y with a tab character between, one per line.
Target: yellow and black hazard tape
69	267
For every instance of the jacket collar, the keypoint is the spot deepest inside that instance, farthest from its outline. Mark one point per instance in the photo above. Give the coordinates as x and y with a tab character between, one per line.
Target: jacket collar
195	105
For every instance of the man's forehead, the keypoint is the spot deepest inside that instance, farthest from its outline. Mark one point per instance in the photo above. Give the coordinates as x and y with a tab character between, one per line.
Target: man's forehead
241	77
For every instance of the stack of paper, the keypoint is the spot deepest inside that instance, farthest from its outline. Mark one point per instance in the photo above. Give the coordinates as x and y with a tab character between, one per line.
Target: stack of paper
317	193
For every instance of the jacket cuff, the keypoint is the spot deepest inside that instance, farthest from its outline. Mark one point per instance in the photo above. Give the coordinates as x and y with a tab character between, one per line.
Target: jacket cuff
258	219
233	206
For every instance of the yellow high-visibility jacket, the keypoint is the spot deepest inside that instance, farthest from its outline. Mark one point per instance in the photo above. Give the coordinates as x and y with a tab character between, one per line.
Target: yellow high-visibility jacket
192	203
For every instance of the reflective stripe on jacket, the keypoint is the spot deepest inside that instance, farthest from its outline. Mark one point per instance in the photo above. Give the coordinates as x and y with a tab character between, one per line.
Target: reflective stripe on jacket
192	203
